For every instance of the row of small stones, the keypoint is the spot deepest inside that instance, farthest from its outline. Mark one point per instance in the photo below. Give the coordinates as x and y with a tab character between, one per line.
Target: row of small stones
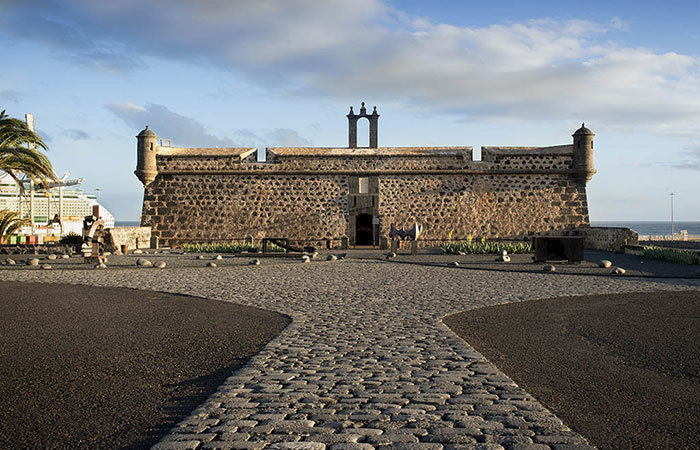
142	262
504	257
255	262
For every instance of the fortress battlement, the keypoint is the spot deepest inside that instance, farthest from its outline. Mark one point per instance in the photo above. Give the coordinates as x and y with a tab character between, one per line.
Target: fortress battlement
336	193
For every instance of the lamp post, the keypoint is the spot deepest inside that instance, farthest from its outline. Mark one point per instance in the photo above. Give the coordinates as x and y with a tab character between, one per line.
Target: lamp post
672	230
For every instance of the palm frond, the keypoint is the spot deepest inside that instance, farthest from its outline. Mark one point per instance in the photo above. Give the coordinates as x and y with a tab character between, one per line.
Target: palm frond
19	152
10	222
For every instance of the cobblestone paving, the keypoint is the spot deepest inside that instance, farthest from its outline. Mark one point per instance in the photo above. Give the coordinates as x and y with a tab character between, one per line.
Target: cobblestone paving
367	361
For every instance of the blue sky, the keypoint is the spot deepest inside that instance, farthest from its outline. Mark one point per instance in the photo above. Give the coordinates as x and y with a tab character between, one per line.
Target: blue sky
283	73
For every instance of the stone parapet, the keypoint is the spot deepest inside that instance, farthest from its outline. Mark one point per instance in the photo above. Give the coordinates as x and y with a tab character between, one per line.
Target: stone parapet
132	237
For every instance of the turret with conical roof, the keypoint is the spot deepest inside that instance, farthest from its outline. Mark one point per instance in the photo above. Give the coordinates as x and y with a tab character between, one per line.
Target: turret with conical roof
583	154
146	148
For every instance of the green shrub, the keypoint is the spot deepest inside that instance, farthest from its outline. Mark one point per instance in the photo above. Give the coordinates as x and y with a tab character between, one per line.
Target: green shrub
673	255
71	239
229	247
484	247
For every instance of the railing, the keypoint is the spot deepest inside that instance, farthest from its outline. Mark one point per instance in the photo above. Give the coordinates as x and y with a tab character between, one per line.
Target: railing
680	236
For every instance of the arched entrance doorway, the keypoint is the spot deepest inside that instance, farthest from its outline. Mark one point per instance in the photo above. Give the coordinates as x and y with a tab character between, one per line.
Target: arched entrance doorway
363	229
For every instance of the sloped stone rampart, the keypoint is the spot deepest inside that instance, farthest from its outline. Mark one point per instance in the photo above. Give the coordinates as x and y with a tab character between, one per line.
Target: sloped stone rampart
482	206
199	208
195	208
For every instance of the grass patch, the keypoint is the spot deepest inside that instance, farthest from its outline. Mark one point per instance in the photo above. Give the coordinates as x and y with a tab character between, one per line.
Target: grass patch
484	247
672	255
230	247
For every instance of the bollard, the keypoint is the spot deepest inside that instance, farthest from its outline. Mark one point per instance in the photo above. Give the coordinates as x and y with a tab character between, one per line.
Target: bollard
394	245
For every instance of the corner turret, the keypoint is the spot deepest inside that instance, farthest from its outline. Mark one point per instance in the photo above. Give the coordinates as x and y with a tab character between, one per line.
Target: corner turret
583	154
146	148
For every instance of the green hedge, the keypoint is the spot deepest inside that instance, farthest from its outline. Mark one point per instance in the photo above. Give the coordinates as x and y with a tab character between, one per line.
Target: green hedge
483	247
229	247
673	255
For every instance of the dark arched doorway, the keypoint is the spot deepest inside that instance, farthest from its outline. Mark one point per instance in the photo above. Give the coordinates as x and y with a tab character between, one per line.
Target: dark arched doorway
363	229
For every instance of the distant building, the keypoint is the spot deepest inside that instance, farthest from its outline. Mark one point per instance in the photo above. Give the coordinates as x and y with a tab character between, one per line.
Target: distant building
72	204
316	194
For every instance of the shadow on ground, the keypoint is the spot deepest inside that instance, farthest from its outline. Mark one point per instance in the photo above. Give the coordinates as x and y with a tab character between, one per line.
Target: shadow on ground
88	367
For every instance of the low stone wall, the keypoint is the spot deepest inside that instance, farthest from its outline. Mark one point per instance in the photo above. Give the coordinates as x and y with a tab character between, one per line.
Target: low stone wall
673	244
611	239
132	237
39	249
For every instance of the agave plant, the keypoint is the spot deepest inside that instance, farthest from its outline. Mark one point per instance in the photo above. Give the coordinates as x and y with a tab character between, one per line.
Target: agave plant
19	152
9	223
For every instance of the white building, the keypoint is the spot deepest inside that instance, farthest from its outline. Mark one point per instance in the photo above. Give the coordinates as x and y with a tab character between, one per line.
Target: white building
51	208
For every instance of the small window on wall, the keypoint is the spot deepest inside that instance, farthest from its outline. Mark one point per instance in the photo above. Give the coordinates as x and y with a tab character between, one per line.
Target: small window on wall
363	185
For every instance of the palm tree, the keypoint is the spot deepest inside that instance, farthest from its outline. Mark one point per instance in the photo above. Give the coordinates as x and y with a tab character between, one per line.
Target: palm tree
9	223
19	152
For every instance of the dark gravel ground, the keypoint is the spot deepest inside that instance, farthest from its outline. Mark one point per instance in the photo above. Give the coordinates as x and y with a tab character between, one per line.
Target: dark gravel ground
622	370
88	367
635	266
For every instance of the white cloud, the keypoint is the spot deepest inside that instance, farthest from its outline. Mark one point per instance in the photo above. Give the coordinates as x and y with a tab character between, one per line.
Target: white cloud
182	130
537	70
76	134
10	95
185	131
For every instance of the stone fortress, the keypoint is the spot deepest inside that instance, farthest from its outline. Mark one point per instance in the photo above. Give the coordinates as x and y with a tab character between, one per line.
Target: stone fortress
352	196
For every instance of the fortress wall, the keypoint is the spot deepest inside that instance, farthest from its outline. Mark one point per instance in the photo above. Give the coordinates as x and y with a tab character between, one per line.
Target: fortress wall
197	162
558	157
482	205
191	201
497	158
179	163
384	163
191	208
203	207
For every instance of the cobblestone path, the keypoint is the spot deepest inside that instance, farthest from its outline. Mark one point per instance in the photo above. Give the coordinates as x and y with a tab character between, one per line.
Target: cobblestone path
367	361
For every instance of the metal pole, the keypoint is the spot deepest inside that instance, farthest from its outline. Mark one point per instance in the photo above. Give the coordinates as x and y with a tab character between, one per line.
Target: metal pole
31	203
60	209
672	228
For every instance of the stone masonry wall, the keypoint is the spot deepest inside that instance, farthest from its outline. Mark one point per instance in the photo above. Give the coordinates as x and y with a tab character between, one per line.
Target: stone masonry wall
611	239
132	237
192	208
511	193
482	206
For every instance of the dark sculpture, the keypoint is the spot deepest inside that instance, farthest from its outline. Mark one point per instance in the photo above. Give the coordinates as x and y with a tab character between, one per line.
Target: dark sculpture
401	233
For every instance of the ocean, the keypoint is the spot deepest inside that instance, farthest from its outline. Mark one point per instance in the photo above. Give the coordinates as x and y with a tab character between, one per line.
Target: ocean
653	228
126	223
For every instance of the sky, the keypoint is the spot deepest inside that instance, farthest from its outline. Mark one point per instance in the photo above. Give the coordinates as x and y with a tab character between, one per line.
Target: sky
284	73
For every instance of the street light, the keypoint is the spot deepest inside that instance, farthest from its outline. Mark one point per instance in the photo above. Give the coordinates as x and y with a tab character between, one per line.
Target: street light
672	230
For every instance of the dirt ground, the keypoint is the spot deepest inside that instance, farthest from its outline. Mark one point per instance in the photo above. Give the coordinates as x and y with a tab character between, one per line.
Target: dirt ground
622	370
88	367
